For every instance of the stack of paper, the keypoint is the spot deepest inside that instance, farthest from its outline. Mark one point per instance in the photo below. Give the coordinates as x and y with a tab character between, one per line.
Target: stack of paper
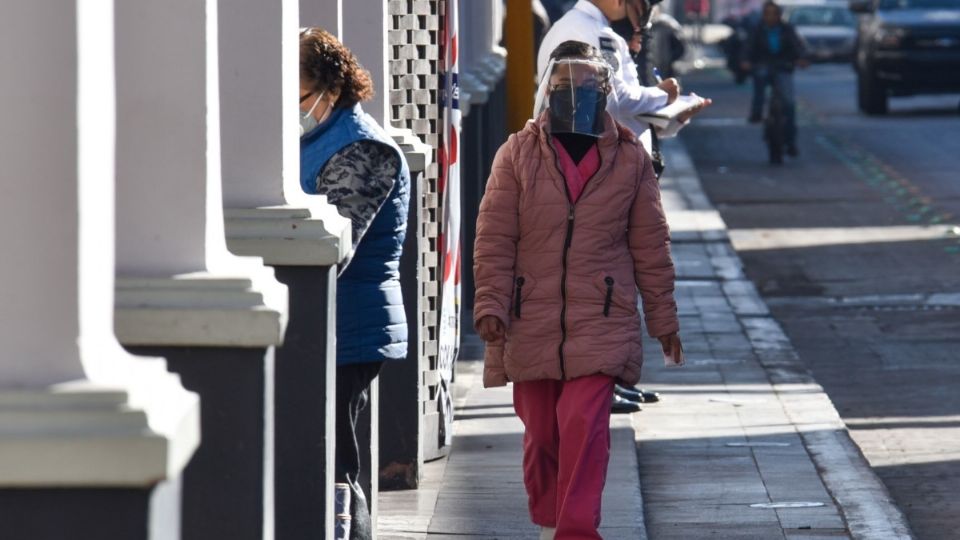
668	115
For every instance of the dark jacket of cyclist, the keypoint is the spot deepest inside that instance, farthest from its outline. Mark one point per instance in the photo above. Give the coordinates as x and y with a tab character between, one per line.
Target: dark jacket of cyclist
770	53
778	45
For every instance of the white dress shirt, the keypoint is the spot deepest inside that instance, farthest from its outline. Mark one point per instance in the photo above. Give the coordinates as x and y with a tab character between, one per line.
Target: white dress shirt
586	23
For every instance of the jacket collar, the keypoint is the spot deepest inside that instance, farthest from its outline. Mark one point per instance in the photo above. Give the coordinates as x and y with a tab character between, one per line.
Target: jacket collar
607	144
592	10
335	116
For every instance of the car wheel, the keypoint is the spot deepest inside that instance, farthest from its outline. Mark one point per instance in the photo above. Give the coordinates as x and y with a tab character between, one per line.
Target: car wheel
871	95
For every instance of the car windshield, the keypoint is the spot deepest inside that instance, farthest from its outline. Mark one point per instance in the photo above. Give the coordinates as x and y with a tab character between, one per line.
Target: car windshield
819	16
919	4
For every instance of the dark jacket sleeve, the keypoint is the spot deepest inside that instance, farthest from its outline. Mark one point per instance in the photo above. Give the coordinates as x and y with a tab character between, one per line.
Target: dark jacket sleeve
357	180
798	46
749	52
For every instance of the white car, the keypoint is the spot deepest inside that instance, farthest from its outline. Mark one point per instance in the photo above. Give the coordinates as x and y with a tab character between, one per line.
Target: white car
827	26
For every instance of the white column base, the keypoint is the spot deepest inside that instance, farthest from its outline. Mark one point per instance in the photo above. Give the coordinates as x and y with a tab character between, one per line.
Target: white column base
289	236
472	91
492	67
85	435
199	309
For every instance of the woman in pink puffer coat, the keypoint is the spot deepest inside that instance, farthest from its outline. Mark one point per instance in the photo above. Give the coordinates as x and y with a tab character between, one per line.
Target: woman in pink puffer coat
570	228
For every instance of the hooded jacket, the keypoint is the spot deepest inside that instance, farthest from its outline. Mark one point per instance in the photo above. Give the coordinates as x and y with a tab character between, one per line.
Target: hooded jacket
562	277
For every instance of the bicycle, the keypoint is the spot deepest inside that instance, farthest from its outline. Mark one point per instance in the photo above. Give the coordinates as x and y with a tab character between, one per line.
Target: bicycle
775	127
775	124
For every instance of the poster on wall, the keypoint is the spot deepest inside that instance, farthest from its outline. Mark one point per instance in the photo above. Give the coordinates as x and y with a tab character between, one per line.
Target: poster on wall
449	192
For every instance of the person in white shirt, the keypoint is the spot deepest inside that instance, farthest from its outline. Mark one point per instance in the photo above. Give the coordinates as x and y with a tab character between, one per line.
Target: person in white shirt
589	21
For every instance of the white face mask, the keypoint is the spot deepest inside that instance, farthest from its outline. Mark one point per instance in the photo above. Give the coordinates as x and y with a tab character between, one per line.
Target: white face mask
307	122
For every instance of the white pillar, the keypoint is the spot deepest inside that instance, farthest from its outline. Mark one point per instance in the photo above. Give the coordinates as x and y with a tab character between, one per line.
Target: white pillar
326	14
493	61
471	24
267	212
365	28
177	283
77	410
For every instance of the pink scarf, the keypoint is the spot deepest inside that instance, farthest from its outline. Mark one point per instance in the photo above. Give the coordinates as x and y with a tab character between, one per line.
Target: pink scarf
577	174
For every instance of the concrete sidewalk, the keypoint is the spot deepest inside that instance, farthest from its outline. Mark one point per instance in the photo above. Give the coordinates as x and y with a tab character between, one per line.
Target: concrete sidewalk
742	424
478	491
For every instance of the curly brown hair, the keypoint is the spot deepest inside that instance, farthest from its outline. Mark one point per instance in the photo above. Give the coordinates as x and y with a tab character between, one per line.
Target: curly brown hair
325	64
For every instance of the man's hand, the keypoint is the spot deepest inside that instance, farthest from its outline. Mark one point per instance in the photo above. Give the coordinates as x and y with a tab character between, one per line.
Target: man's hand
682	118
747	67
672	87
803	63
672	349
491	329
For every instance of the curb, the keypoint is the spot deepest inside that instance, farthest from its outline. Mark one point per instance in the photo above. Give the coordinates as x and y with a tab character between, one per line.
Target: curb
864	501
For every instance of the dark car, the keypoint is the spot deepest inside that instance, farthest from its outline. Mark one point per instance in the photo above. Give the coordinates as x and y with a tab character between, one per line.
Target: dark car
906	47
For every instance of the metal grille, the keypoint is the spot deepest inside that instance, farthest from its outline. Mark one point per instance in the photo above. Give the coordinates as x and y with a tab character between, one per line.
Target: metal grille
414	103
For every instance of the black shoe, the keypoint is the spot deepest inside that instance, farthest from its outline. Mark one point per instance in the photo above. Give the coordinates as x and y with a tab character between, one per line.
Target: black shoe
792	150
636	394
624	406
755	119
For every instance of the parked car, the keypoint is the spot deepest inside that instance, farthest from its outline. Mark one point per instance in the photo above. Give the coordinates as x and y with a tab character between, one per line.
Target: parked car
827	26
905	47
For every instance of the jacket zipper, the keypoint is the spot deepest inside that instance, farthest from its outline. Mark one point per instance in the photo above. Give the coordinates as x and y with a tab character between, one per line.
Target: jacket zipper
517	300
606	303
563	289
566	248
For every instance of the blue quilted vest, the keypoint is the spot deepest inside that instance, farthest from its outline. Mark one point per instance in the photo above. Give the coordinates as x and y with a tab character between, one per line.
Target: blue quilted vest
371	323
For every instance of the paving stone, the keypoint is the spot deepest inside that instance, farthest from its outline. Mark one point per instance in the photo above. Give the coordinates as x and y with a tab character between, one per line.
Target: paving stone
814	518
705	531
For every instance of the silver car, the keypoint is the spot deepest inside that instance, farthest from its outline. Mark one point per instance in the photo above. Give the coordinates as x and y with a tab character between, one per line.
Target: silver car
827	26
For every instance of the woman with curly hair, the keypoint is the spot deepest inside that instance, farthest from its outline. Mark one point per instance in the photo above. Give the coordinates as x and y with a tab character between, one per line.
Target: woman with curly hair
347	156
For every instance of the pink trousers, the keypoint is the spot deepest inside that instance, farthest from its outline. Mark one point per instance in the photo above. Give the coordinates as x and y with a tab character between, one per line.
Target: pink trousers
566	448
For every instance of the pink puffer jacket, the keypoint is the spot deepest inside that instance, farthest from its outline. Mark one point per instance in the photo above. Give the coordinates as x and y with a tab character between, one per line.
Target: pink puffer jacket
564	277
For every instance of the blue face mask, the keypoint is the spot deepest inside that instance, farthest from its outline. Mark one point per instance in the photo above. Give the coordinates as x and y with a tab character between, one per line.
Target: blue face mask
577	110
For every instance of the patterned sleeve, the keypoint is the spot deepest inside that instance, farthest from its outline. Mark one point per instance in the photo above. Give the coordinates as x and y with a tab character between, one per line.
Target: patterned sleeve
357	180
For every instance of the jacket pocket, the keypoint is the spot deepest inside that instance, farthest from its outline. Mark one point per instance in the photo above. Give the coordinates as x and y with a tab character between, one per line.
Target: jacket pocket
608	298
613	294
522	285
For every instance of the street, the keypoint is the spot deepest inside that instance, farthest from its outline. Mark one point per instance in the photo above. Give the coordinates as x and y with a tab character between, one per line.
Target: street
854	246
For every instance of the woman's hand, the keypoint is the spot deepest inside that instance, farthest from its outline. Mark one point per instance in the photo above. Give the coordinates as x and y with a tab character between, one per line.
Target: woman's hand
672	349
491	329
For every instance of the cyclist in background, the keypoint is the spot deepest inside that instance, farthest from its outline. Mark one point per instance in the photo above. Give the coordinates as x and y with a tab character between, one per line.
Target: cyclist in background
771	52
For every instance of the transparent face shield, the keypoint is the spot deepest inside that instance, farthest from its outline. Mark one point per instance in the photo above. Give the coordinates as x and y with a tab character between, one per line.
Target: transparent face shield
574	92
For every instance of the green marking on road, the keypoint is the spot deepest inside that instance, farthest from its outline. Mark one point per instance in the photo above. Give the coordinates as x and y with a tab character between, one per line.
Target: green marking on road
897	191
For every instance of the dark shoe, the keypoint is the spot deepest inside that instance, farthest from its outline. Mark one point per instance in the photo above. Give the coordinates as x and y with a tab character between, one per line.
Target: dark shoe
636	394
623	406
755	119
792	150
